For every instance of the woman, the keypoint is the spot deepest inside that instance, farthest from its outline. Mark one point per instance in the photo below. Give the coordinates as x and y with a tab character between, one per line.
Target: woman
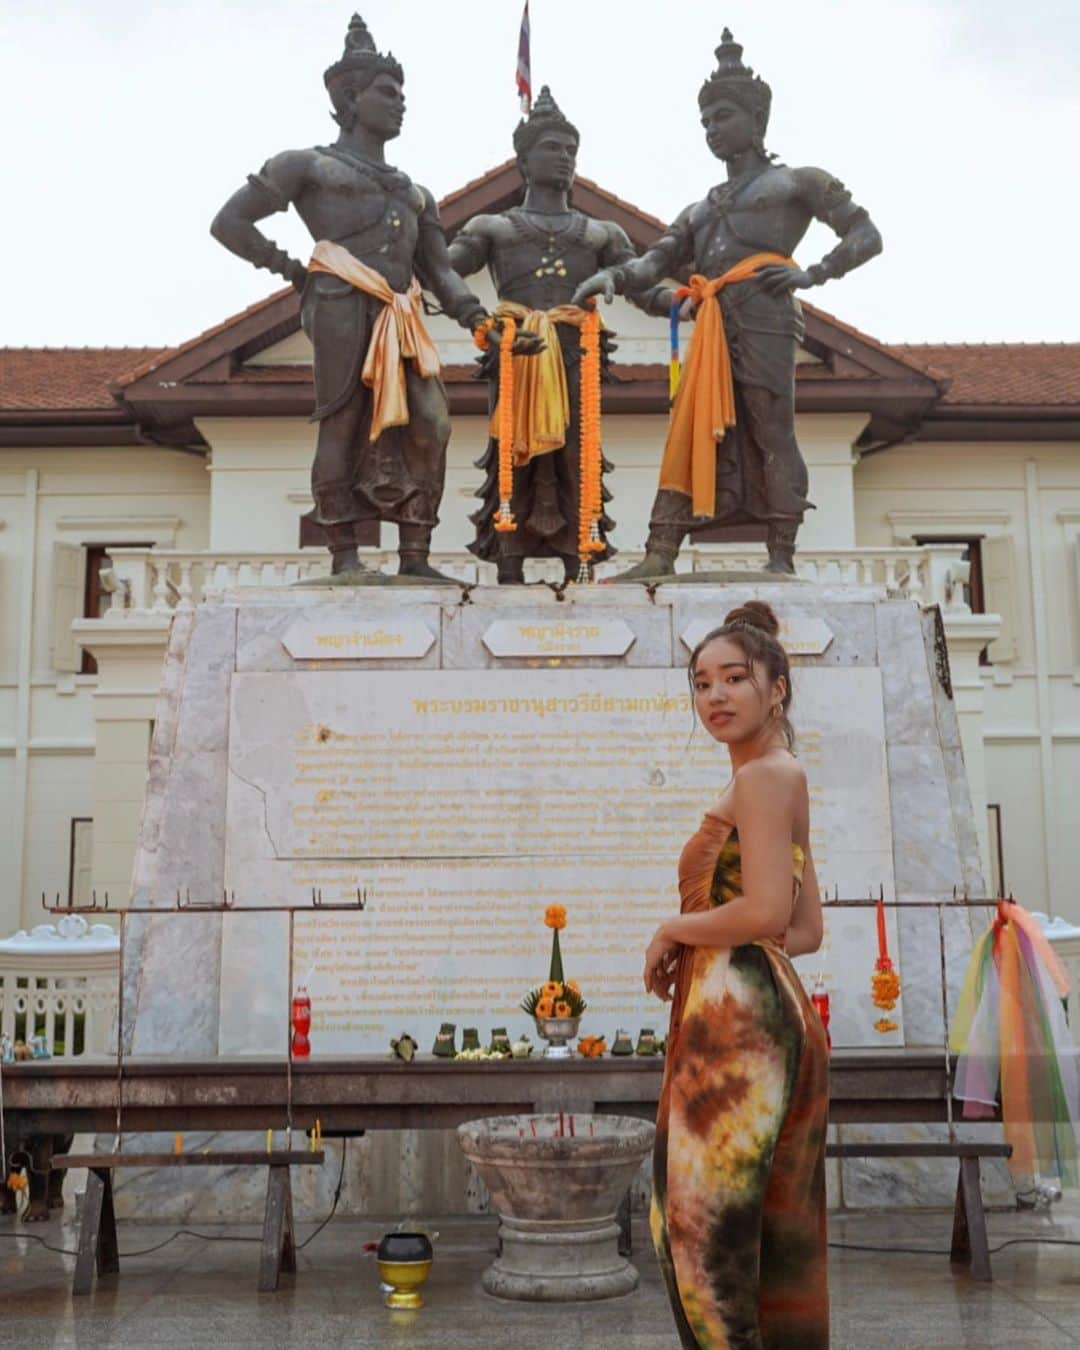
738	1214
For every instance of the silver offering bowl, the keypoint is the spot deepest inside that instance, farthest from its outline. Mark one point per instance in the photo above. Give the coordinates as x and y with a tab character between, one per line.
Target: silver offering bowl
557	1031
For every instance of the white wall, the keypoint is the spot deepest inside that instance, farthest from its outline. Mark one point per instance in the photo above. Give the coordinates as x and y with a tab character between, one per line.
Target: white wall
75	496
1031	493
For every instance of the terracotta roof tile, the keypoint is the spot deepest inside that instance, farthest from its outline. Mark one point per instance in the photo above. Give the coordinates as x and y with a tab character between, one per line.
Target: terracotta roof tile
63	378
1002	373
127	376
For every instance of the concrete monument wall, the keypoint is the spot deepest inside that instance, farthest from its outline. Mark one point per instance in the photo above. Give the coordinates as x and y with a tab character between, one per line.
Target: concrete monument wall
470	759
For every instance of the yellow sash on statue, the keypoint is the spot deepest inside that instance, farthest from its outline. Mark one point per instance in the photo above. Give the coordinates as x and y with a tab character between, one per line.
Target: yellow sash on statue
398	333
705	404
541	397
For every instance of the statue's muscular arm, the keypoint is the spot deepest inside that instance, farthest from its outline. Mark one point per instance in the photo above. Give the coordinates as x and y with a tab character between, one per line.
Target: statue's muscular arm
617	253
272	189
471	249
435	269
830	202
636	276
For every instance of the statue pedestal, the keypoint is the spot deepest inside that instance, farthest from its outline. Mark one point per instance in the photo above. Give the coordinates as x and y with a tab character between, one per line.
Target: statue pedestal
468	760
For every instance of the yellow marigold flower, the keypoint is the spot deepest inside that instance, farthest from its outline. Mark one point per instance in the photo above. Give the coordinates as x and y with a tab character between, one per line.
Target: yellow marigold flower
884	1024
543	1007
555	916
552	989
885	987
562	1009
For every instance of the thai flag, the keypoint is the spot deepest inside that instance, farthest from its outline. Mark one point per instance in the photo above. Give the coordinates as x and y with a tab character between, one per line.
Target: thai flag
524	72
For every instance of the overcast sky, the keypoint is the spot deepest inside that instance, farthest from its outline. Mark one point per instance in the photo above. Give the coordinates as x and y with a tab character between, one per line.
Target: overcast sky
125	125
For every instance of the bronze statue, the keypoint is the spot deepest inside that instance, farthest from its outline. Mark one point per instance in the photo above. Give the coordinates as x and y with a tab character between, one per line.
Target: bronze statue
381	408
537	253
737	459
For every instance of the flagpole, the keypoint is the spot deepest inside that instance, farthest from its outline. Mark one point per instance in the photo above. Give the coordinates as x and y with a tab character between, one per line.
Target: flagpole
524	64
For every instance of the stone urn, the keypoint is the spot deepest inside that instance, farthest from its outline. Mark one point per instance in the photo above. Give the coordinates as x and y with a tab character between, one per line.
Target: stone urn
556	1196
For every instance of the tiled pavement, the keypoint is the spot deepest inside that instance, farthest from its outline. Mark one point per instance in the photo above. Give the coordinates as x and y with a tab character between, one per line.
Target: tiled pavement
202	1294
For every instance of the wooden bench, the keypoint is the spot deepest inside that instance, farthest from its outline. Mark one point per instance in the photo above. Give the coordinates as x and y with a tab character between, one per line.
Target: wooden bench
98	1246
969	1244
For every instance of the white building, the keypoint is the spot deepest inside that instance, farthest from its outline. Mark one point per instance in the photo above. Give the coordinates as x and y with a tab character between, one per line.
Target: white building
196	460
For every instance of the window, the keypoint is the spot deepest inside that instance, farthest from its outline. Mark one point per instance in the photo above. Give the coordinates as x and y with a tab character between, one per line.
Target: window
80	860
96	596
312	534
974	589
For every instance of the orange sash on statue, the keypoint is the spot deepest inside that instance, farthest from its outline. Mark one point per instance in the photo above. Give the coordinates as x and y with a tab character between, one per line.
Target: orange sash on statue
705	404
398	333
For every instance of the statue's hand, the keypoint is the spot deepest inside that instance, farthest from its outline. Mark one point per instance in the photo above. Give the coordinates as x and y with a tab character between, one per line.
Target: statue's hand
296	273
525	344
600	283
778	279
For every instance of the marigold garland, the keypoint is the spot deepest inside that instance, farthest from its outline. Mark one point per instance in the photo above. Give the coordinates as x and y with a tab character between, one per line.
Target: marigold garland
555	916
590	484
504	517
884	982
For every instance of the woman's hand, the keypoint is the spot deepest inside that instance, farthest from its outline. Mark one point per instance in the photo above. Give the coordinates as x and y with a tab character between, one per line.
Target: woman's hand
661	958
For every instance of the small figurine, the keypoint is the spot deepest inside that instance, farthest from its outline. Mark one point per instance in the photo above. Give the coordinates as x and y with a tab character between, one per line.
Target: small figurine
39	1047
404	1047
7	1049
444	1047
522	1048
622	1045
646	1042
500	1042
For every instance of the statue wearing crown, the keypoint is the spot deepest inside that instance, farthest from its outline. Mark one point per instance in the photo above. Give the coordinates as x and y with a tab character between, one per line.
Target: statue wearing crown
537	254
380	406
731	456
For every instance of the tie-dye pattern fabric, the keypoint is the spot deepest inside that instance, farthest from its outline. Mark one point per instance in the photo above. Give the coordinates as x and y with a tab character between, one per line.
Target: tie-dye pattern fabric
738	1211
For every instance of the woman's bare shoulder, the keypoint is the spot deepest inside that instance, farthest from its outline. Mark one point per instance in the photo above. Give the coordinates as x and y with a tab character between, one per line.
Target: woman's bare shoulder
768	779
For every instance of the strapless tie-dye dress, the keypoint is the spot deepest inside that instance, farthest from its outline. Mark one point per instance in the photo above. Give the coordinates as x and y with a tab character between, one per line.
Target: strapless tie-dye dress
738	1210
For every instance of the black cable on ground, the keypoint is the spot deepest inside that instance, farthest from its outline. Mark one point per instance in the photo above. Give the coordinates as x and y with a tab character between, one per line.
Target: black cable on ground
205	1237
941	1251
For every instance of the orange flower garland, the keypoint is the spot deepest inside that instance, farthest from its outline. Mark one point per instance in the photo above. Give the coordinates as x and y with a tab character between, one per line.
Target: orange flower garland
590	486
504	517
885	982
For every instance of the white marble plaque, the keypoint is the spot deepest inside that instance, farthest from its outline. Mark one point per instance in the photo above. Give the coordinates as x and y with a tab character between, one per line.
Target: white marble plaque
466	803
344	639
801	634
568	637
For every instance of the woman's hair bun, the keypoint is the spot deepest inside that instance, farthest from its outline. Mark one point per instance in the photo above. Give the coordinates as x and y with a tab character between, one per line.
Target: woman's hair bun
755	614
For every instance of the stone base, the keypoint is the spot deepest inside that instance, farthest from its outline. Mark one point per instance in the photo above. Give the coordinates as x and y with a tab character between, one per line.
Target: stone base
559	1261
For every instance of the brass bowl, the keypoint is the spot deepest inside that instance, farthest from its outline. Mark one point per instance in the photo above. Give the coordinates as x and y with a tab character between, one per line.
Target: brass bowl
405	1279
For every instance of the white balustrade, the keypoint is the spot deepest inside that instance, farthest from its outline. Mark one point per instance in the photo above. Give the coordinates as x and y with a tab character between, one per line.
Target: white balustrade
161	581
60	981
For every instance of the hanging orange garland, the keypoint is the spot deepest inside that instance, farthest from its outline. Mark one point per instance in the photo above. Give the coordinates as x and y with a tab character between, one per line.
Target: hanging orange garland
885	982
504	517
590	486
